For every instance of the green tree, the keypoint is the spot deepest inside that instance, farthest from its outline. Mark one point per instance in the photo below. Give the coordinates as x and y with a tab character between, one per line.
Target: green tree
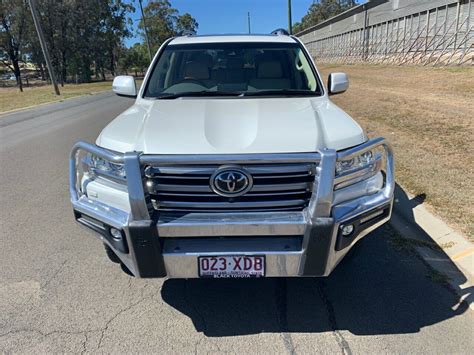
14	22
134	59
322	10
164	21
186	24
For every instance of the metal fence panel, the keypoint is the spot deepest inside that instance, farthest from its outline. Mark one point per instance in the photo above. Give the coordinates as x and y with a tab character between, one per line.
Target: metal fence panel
425	32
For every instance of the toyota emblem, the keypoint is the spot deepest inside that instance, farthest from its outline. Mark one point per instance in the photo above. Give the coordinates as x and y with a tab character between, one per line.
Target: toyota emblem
231	181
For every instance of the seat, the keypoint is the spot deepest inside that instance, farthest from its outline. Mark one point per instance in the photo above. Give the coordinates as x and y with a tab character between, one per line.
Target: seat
195	70
235	70
270	76
198	71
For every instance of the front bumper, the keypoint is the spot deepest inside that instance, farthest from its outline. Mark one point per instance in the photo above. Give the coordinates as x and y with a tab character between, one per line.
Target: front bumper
306	243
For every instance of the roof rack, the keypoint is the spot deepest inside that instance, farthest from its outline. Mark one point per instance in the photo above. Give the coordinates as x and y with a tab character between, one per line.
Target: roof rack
280	32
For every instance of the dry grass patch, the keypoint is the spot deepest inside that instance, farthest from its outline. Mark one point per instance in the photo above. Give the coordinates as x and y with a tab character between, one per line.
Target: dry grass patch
428	116
12	98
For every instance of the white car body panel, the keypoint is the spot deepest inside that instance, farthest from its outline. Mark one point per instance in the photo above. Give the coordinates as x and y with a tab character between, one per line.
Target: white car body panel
231	126
232	39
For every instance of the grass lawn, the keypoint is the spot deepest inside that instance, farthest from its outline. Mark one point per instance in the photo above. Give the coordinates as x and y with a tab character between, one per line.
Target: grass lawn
428	116
12	98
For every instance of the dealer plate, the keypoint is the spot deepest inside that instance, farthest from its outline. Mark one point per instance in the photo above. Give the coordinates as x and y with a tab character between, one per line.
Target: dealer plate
235	266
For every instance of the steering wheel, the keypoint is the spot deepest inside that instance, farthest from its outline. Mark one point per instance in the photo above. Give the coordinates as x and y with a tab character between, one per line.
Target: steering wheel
193	81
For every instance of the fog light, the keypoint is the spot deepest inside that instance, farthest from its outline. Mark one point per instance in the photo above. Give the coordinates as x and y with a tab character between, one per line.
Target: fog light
115	233
347	230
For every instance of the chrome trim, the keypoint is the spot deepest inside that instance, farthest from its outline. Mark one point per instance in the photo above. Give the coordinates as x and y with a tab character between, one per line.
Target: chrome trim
186	188
232	224
268	158
136	193
151	171
97	210
163	188
321	202
231	205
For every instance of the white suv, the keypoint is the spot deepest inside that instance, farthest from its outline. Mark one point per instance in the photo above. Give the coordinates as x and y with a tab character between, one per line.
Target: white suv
232	163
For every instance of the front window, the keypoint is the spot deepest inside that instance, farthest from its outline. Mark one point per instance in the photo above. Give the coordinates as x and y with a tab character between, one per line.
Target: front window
233	69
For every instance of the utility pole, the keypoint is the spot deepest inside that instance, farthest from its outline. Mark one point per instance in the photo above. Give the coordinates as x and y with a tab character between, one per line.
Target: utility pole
248	20
44	48
146	31
290	24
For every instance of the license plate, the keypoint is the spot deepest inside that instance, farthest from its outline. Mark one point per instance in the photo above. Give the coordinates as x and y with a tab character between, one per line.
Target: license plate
231	266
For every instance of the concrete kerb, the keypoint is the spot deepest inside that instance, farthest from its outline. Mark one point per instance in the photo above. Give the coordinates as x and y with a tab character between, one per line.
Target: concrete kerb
442	248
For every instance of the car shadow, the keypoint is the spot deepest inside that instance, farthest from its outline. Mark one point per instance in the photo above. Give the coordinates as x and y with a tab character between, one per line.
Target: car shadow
378	290
403	207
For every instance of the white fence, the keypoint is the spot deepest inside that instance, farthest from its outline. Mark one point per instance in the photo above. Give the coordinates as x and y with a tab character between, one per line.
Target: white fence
427	32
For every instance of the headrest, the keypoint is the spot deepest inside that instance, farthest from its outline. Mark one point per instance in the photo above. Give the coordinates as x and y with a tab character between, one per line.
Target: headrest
235	63
269	70
206	59
196	70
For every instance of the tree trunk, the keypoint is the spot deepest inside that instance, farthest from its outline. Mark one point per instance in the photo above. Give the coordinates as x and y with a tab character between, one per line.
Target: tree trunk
16	70
112	64
63	68
41	68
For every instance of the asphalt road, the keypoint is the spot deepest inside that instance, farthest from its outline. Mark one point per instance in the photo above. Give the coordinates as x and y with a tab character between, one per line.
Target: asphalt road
59	293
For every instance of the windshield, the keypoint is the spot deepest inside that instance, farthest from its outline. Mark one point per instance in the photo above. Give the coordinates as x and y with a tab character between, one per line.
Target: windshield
234	69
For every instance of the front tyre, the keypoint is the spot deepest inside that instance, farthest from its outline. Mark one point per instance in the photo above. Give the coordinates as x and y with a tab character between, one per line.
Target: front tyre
111	254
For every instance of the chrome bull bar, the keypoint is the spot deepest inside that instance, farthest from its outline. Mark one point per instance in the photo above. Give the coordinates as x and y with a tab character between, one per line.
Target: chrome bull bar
320	217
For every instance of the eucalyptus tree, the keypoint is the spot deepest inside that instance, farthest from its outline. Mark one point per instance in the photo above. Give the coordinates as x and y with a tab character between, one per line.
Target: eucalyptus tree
163	21
322	10
15	21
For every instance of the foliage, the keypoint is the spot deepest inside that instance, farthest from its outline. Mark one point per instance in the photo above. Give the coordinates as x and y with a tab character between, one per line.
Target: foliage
134	59
164	21
83	37
322	10
14	25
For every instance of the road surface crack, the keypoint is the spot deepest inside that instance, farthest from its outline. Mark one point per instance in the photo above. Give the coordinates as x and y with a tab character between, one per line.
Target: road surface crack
282	315
341	341
119	313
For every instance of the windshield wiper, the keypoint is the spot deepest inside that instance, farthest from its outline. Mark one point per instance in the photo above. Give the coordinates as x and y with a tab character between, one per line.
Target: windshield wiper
284	92
203	93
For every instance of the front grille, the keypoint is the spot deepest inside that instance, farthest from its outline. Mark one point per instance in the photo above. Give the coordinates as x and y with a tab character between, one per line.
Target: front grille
276	187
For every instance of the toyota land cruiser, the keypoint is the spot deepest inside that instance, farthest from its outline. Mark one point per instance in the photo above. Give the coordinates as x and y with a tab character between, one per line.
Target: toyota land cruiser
232	162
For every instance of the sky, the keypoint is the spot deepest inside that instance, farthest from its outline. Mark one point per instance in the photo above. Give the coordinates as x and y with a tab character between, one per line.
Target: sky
230	16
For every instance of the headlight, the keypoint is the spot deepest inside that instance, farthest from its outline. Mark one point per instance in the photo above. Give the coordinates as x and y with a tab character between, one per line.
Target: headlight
364	160
358	168
97	166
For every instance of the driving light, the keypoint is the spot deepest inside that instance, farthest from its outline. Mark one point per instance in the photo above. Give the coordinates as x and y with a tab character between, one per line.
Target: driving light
115	233
347	230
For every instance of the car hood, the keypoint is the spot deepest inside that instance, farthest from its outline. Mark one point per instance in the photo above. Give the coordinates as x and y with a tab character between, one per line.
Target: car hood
231	126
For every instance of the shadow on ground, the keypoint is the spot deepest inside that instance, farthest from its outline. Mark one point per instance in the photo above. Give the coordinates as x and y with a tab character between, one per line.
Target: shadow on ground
380	289
416	235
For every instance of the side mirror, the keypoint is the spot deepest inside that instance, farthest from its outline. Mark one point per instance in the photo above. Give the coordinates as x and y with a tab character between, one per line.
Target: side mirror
337	83
124	85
